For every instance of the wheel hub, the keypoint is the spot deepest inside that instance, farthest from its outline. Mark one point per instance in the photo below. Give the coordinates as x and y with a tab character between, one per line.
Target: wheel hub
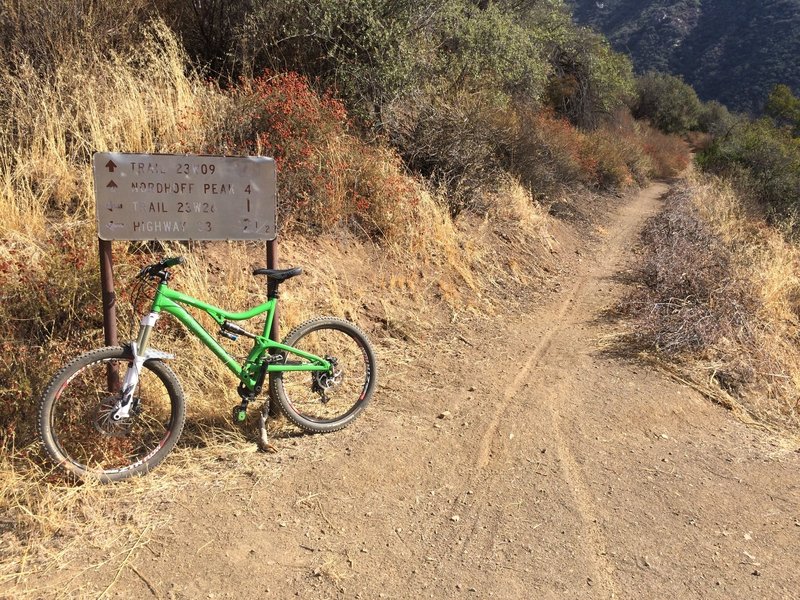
104	417
323	381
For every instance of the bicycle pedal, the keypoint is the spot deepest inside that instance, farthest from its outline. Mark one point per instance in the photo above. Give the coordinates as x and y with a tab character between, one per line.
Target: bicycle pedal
239	414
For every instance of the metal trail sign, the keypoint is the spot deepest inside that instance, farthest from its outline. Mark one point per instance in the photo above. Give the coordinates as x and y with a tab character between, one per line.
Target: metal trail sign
184	197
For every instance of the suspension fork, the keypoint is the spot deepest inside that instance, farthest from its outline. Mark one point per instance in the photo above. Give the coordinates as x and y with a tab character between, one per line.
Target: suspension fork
141	353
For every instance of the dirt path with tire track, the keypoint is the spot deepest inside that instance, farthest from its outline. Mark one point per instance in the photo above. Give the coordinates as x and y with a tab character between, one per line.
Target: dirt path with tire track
519	461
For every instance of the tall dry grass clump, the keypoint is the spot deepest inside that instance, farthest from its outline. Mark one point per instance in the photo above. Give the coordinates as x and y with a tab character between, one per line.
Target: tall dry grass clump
719	297
54	119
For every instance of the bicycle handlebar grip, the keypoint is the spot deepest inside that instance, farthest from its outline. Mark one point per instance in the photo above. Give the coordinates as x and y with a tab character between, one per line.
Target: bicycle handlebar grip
171	262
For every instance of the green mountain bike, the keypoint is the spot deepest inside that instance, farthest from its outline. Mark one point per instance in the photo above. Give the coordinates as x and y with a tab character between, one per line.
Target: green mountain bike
116	412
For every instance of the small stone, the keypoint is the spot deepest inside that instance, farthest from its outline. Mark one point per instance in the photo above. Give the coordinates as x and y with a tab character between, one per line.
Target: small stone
757	573
471	388
444	415
455	518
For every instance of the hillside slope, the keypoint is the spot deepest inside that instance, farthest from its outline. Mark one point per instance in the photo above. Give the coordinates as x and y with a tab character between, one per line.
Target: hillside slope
733	51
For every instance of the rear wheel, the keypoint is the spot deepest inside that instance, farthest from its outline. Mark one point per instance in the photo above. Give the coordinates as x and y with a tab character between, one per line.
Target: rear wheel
76	424
323	402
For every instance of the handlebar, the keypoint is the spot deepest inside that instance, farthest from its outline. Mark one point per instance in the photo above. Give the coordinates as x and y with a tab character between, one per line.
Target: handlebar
160	269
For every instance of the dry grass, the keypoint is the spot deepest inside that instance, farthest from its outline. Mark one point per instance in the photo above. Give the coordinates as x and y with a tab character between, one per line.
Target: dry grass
718	296
53	122
55	532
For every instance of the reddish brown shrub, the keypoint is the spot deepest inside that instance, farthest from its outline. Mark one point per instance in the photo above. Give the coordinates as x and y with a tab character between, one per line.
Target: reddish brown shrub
326	176
668	154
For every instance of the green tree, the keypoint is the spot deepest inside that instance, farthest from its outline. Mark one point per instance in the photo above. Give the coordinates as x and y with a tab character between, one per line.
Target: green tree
589	80
668	102
715	118
784	108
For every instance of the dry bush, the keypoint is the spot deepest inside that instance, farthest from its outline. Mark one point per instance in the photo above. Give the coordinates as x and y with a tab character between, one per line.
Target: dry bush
699	141
548	154
718	294
669	155
614	156
455	143
328	176
630	151
691	296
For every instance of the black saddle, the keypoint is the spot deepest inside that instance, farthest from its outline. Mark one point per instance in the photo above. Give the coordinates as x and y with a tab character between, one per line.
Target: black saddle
279	275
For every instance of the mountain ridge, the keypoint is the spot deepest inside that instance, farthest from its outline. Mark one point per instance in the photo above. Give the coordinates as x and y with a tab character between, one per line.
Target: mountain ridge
728	50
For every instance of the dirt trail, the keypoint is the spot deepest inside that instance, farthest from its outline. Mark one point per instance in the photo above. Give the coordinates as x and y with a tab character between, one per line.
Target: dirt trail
524	462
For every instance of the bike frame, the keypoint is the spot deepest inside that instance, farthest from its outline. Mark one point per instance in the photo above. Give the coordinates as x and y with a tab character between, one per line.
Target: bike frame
171	301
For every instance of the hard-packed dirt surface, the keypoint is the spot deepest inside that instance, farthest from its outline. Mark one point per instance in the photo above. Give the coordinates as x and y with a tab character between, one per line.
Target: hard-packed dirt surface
519	459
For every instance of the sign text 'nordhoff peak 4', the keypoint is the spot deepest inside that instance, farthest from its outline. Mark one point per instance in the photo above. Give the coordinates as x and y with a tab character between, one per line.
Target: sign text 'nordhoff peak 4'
184	197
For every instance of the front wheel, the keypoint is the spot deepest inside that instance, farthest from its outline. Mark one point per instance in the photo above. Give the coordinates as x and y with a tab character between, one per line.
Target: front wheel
76	424
321	402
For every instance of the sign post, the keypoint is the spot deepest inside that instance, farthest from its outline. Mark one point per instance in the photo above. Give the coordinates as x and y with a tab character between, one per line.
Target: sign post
181	197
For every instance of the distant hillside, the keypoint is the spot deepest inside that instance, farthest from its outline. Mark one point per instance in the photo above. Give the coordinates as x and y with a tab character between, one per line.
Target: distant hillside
733	51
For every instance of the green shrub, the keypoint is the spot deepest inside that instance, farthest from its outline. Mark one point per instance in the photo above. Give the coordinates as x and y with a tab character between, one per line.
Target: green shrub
715	119
363	49
667	102
485	49
784	108
764	160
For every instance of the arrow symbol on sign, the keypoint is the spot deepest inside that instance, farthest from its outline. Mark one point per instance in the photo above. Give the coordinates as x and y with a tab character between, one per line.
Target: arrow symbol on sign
111	166
112	185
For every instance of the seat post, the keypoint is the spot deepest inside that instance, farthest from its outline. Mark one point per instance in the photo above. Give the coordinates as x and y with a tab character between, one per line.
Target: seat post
272	290
272	286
